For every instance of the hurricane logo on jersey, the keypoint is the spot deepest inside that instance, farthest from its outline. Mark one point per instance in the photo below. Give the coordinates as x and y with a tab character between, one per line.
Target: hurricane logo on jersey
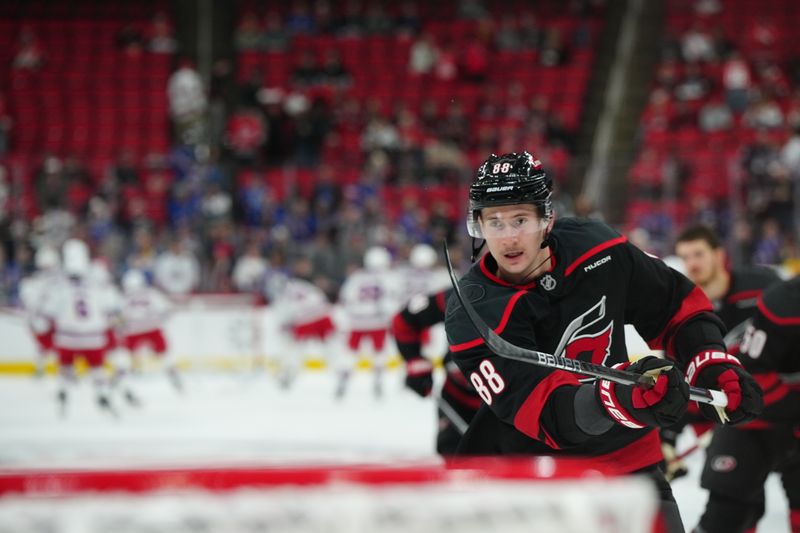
587	338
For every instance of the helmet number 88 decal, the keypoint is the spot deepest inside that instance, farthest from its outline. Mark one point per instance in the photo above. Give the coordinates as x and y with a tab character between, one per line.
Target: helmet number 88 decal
501	167
492	379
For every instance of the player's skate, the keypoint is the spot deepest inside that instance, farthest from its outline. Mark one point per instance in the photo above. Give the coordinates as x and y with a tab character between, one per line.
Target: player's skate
132	399
105	405
341	385
175	379
62	403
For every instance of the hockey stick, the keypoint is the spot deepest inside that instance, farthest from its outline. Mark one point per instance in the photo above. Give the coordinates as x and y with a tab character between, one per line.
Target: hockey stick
452	415
505	349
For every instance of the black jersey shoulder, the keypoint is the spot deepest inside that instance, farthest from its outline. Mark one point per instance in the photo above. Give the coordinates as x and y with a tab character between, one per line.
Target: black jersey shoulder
579	241
748	281
493	301
781	302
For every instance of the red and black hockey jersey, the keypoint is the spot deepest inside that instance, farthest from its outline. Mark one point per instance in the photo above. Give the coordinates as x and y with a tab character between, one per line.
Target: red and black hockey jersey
771	348
739	302
598	282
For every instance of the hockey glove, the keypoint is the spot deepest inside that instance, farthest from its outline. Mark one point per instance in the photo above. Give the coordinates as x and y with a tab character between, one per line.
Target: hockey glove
720	370
636	407
419	375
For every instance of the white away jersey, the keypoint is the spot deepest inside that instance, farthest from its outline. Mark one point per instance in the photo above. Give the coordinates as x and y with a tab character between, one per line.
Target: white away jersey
301	302
82	313
33	292
369	300
144	310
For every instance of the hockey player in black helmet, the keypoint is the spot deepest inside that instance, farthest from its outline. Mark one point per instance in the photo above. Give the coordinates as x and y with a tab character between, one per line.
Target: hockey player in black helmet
568	287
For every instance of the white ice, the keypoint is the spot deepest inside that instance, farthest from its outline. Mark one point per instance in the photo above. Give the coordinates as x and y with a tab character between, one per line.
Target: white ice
243	419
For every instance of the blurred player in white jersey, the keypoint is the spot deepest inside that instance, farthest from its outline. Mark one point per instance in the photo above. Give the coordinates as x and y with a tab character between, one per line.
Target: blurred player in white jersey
304	317
144	312
83	315
423	274
33	291
369	300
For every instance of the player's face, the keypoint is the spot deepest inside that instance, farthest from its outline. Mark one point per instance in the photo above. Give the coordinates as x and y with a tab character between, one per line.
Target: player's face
702	261
513	235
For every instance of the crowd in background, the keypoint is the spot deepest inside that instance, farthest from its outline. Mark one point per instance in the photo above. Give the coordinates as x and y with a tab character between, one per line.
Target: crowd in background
721	134
207	205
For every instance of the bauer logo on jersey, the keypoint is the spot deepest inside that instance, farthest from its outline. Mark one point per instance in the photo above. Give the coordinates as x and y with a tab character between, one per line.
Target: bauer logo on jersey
587	337
548	282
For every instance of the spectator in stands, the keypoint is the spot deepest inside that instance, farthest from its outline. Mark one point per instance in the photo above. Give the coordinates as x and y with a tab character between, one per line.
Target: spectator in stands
333	70
124	170
530	31
275	37
130	39
307	72
407	22
554	51
5	124
790	153
380	134
279	126
187	102
423	55
455	124
300	20
245	136
769	244
715	115
507	38
697	44
177	271
694	86
472	10
736	82
446	67
250	270
160	39
143	253
29	53
765	113
311	126
51	186
351	23
475	61
248	32
377	21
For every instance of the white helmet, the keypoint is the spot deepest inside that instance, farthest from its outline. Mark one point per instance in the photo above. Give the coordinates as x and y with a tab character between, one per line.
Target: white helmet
422	256
377	258
46	258
133	280
76	258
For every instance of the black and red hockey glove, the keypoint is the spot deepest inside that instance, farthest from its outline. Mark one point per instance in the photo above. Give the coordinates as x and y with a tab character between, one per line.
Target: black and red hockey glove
419	375
719	370
637	407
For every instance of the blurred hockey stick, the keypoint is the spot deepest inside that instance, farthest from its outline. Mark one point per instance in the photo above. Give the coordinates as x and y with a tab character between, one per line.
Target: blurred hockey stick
505	349
452	415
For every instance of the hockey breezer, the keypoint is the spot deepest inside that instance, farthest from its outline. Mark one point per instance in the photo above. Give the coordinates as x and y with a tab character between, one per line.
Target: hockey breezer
505	349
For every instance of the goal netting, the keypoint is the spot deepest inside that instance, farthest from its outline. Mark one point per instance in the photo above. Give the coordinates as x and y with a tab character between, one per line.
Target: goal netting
541	495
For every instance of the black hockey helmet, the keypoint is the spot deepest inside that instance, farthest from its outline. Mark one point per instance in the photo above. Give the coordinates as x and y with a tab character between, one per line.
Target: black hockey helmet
509	179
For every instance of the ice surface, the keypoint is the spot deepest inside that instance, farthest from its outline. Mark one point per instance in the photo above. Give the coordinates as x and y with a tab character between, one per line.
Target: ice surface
244	419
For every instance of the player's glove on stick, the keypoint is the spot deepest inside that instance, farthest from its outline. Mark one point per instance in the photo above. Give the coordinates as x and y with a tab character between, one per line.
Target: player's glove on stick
720	370
636	407
419	375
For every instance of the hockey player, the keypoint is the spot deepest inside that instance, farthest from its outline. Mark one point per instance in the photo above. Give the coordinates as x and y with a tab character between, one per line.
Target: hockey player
144	312
569	287
369	300
458	402
33	291
733	293
422	275
738	461
83	315
303	314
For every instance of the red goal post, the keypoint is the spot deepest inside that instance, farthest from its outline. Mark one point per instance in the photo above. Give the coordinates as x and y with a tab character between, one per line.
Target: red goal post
542	495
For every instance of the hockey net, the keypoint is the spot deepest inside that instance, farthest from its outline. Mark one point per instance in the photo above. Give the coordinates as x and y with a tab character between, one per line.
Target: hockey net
542	495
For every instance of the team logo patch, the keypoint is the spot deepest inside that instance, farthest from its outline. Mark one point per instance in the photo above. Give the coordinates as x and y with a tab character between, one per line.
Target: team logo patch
548	282
723	463
588	337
